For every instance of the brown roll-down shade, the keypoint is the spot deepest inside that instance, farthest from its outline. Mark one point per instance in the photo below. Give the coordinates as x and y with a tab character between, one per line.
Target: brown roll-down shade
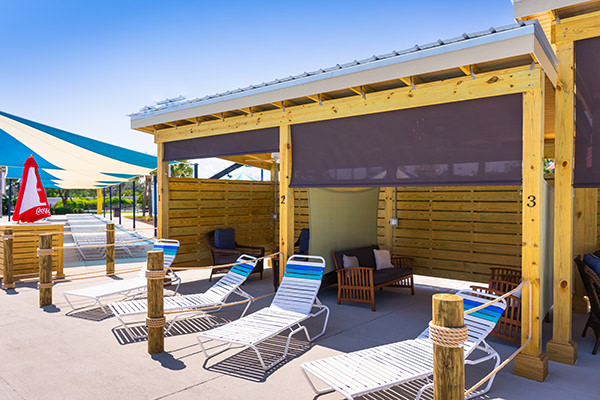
233	144
474	142
587	113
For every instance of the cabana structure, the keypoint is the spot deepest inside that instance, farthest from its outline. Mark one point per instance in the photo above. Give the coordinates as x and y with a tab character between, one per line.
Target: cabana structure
471	115
573	28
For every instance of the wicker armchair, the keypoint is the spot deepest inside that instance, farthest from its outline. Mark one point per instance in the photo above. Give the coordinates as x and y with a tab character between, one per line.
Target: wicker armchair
229	256
591	281
503	280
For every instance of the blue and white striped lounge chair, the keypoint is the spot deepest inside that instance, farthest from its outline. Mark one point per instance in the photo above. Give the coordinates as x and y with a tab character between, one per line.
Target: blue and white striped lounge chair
407	362
217	295
292	305
133	286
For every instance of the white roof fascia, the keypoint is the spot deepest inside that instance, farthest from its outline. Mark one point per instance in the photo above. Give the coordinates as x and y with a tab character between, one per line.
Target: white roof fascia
520	41
526	8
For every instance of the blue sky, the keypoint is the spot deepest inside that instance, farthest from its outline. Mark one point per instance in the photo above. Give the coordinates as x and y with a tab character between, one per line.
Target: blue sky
82	66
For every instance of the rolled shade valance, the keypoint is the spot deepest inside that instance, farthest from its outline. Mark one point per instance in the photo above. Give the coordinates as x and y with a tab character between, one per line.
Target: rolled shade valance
474	142
234	144
587	115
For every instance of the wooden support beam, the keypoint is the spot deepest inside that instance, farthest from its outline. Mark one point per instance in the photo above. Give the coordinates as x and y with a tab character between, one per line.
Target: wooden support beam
448	362
162	193
155	320
110	249
45	263
532	363
8	281
496	83
286	198
576	28
562	348
388	230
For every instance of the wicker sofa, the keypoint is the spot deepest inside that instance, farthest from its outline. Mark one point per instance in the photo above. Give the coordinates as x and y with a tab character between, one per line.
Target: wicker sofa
358	284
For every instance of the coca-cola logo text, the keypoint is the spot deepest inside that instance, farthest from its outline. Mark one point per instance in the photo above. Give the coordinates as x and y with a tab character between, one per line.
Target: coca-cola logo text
41	211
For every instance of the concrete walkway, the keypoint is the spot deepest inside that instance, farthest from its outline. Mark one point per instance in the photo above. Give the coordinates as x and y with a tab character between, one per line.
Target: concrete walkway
56	353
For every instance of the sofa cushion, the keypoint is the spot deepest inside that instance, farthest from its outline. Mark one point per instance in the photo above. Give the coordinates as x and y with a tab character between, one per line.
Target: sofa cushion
365	256
382	276
225	239
383	259
350	261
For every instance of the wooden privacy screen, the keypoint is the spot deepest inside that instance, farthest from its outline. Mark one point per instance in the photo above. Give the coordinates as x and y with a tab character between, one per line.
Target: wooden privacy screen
197	206
457	232
25	259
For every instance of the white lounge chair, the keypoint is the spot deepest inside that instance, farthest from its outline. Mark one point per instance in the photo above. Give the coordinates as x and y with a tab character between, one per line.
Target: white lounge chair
215	296
382	367
292	305
133	286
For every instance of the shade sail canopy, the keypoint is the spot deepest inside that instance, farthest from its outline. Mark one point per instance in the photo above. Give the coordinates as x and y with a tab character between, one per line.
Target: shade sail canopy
67	160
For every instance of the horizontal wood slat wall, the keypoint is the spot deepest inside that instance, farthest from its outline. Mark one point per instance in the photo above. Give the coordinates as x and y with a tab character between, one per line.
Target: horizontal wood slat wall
197	206
456	232
25	259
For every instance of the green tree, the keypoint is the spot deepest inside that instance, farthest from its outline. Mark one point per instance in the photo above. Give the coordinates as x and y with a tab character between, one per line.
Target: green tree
183	169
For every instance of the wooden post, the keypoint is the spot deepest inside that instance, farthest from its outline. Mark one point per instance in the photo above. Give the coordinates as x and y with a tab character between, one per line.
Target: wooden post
388	229
99	201
110	249
162	207
448	362
532	363
45	257
286	198
59	242
156	317
8	272
562	348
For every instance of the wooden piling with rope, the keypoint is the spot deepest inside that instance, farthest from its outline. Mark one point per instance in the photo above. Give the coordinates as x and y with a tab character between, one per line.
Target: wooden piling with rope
155	320
110	249
448	354
8	281
45	256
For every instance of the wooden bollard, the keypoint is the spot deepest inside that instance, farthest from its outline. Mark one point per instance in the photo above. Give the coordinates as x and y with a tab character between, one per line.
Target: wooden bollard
155	321
8	281
45	255
110	249
448	362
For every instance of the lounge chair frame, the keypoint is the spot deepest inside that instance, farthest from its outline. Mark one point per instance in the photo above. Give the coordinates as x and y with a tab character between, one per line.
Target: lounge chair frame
382	367
217	295
129	287
292	305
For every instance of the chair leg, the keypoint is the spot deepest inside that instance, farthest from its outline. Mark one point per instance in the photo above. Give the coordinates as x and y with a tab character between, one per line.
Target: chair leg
211	274
587	325
412	285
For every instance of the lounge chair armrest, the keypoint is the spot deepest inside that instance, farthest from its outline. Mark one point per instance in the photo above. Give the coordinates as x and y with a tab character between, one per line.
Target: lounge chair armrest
402	262
355	276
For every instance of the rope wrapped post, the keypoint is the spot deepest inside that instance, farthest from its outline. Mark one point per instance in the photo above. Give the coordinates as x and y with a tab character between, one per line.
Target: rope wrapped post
45	256
110	249
8	281
155	320
448	353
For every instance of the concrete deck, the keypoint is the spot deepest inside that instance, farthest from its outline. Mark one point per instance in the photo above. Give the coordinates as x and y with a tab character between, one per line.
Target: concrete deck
56	353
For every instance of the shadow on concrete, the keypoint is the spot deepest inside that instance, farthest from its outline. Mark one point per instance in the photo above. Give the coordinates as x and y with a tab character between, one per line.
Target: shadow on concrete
245	364
166	360
139	333
51	309
11	292
96	314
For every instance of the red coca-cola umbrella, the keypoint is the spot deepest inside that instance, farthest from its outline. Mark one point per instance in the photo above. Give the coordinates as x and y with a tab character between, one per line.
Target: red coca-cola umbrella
32	204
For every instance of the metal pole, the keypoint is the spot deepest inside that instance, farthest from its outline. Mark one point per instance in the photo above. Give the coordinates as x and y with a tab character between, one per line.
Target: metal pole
134	203
120	211
155	204
196	171
9	197
110	202
103	202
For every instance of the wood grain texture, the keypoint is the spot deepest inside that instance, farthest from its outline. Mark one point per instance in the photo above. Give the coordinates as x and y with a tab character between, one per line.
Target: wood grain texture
45	266
156	336
8	281
110	250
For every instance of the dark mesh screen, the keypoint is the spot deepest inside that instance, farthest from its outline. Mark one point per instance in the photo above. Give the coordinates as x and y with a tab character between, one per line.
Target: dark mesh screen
233	144
475	142
587	113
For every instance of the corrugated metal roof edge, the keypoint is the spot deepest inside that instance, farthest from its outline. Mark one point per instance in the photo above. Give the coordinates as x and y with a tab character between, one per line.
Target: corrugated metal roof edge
440	47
